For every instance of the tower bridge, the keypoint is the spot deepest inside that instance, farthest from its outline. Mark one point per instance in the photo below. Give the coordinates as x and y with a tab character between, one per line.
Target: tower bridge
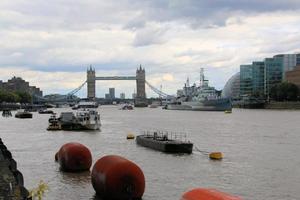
140	78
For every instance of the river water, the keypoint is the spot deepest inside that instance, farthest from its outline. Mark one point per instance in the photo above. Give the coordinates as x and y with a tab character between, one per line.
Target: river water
261	152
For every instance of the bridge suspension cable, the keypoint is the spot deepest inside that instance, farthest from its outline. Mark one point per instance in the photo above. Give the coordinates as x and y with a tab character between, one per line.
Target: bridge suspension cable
62	97
159	92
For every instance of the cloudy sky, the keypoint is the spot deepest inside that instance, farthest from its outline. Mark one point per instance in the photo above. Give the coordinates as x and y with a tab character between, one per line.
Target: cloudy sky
51	43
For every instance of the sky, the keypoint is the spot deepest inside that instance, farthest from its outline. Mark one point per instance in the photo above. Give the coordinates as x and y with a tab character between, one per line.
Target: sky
51	43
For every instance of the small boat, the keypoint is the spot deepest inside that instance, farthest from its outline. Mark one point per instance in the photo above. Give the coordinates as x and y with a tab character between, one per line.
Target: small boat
23	114
153	106
86	104
127	107
160	141
46	112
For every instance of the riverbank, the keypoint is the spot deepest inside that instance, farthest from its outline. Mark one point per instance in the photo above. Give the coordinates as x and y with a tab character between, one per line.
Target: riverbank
11	180
283	105
288	105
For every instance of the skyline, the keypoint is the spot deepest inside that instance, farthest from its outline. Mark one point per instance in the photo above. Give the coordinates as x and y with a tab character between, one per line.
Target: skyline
50	44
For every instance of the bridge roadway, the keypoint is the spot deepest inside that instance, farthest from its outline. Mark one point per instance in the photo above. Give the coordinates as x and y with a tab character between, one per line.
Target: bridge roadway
116	78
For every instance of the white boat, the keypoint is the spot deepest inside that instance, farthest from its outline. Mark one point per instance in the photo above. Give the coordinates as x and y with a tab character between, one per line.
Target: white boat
85	119
86	104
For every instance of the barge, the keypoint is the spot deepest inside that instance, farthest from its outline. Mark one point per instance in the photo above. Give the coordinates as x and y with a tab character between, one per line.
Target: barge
23	114
161	142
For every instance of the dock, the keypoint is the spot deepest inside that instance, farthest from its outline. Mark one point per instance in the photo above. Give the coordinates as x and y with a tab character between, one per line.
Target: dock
11	179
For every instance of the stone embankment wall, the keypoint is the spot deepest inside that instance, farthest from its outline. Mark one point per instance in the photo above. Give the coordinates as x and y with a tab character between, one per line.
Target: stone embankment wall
11	180
282	105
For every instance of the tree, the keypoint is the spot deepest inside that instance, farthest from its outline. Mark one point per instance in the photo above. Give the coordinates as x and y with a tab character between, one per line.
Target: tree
285	92
25	97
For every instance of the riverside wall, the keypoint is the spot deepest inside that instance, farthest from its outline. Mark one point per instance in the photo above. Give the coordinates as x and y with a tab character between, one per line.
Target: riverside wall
11	179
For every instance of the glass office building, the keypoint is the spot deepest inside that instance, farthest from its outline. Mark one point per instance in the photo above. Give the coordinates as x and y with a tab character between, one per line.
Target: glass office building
252	79
246	79
274	72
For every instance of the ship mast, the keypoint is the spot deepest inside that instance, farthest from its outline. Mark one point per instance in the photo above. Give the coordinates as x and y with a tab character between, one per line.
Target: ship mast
202	77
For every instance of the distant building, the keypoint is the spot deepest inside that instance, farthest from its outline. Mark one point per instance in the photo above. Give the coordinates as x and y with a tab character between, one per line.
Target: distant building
293	76
122	95
112	93
107	96
298	59
17	84
289	61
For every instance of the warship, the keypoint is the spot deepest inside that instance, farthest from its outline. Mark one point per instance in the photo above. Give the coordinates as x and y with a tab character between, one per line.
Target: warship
201	98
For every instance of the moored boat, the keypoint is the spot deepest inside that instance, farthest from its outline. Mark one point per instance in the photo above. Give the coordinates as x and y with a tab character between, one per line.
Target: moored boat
45	111
164	142
23	114
199	98
81	120
126	107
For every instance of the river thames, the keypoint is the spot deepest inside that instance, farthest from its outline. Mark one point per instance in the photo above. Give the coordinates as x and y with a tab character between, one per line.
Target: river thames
261	152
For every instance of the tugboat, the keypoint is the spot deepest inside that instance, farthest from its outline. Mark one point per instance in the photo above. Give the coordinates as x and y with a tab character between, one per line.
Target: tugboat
160	141
23	114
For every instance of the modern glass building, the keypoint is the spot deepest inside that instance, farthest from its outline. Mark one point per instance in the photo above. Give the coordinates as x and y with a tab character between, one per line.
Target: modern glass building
252	79
246	80
289	62
298	59
274	73
232	87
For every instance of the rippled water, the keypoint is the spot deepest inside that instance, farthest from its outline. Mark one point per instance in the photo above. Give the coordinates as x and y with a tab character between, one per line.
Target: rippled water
261	152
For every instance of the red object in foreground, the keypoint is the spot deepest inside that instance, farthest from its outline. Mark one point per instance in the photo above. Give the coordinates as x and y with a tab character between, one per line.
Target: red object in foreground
207	194
114	177
74	157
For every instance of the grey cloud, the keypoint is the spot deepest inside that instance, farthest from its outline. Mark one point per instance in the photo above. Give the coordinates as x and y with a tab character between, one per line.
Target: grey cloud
149	35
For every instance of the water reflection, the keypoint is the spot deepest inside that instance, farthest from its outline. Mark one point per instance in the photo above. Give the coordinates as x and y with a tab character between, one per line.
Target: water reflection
76	179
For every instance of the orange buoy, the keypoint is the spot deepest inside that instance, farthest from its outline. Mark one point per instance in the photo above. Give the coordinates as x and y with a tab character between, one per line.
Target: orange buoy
207	194
216	155
74	157
114	177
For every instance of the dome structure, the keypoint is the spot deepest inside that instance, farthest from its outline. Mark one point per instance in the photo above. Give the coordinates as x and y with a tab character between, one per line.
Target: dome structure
232	87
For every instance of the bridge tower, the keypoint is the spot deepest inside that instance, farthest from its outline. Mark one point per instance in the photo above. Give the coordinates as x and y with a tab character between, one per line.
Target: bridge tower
91	83
140	100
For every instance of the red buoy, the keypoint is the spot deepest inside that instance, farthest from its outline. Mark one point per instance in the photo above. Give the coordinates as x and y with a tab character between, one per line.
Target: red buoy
74	157
56	157
207	194
114	177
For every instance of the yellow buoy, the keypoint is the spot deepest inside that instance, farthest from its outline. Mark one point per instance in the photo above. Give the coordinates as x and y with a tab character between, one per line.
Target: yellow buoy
228	111
130	136
216	155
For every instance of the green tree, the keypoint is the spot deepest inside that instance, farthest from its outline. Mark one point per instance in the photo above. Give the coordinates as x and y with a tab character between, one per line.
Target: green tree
285	92
25	97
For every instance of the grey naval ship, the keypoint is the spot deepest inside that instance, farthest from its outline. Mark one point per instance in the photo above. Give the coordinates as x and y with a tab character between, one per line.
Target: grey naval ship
201	98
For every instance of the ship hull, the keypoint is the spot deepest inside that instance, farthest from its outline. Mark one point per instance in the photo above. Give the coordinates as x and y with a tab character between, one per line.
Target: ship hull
206	105
170	146
78	126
